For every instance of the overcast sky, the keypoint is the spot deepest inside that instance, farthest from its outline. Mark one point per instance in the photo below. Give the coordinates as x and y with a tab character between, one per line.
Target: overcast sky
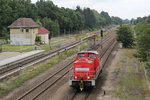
121	8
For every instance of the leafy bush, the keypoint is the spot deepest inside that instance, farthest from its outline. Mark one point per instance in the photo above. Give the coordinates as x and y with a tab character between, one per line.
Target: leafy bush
125	36
38	39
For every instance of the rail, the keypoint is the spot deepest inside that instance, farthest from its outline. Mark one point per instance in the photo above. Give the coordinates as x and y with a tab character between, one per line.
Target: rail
15	64
108	52
65	71
35	59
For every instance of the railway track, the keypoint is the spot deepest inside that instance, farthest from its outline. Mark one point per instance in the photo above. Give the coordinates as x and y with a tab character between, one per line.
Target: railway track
77	95
39	89
30	59
12	68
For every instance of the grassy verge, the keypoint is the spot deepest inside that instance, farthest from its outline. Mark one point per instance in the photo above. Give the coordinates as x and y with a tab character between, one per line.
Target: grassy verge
27	48
85	35
92	33
23	48
131	84
8	85
17	48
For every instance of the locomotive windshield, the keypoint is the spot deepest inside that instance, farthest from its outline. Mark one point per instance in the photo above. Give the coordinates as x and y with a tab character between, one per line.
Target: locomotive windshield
92	56
81	55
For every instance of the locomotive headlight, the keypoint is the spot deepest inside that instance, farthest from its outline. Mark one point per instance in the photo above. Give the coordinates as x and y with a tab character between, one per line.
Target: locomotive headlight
75	77
88	77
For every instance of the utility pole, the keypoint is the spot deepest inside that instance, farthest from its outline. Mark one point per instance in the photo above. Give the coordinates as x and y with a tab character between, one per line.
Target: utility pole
69	33
49	41
58	33
52	35
101	32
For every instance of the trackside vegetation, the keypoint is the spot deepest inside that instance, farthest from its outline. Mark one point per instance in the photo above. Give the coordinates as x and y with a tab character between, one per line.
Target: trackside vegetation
143	44
8	85
140	19
131	83
125	36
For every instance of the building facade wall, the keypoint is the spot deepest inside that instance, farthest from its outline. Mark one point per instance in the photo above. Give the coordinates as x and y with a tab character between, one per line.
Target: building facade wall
21	37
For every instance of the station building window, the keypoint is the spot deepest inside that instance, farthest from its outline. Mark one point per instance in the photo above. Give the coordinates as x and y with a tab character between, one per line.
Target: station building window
27	30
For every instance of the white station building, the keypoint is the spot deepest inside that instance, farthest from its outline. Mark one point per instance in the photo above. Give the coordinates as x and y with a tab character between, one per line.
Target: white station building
23	31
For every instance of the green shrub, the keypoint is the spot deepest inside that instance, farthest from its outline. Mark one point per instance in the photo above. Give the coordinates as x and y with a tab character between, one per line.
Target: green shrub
125	36
38	39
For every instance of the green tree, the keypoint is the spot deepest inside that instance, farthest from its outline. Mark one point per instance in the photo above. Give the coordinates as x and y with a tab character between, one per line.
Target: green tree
47	9
143	40
5	33
90	19
58	19
107	17
116	20
5	15
125	36
52	26
140	27
148	19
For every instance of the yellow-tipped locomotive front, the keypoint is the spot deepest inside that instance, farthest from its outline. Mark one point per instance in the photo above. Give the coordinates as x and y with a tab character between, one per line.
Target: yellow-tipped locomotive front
81	84
85	70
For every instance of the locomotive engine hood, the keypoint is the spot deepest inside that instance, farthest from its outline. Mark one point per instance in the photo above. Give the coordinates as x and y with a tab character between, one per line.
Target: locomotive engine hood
83	61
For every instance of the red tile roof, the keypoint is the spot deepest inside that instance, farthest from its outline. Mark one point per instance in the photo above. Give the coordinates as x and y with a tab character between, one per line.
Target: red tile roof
43	31
24	23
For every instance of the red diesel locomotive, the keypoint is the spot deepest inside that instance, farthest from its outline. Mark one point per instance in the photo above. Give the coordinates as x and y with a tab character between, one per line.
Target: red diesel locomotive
85	70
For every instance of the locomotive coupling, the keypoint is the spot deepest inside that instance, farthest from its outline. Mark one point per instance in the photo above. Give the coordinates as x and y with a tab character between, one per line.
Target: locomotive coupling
81	84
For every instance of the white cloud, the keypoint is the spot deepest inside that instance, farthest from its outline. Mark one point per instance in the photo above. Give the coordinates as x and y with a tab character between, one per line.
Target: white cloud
122	8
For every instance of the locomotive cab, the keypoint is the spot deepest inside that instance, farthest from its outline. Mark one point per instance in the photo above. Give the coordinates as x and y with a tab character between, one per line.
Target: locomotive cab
85	69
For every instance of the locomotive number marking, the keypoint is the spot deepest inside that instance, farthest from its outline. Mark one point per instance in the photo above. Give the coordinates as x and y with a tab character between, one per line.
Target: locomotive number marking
82	69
